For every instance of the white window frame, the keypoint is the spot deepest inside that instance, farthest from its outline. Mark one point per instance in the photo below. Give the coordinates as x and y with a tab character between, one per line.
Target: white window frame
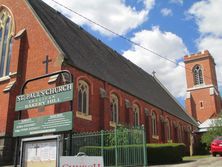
83	87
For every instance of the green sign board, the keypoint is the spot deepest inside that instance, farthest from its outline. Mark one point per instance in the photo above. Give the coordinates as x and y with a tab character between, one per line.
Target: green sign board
45	97
45	124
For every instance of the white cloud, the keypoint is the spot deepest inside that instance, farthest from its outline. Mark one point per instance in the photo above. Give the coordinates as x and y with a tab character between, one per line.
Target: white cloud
115	15
166	12
208	17
176	1
213	44
166	44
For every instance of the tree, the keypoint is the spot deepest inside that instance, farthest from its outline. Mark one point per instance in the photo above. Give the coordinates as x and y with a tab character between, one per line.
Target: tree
214	131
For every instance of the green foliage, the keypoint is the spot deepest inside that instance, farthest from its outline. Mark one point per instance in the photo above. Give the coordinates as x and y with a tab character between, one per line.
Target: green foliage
165	153
214	131
124	136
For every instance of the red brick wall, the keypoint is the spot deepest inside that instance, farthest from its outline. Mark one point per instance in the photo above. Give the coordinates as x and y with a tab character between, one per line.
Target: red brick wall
209	104
100	108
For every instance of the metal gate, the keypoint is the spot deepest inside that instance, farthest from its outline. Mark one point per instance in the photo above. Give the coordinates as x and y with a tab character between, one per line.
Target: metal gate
119	147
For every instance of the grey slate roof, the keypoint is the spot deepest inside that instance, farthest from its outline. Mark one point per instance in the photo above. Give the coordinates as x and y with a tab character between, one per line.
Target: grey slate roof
88	54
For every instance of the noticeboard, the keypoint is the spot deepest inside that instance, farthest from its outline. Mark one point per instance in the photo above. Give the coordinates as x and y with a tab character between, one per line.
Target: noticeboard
40	151
45	97
45	124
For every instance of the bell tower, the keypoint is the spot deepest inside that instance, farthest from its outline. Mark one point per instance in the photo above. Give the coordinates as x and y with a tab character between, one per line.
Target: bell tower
203	99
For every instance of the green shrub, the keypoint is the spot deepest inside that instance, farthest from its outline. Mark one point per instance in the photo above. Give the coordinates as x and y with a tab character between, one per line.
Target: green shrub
156	153
165	153
126	154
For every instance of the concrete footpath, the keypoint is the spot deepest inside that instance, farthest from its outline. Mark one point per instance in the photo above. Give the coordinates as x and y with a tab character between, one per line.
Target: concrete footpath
203	162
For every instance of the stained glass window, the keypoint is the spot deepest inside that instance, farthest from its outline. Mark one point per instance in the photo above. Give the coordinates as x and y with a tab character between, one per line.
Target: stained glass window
5	42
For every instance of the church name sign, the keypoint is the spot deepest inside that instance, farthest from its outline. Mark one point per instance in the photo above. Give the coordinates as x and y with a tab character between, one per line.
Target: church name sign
45	124
45	97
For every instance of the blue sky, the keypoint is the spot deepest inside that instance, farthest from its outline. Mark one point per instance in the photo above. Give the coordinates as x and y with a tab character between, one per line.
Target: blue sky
171	28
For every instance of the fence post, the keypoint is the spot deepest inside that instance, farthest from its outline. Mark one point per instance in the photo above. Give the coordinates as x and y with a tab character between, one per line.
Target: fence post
144	147
116	153
102	143
67	145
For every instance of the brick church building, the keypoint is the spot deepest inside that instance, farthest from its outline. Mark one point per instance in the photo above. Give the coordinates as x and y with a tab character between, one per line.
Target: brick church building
108	89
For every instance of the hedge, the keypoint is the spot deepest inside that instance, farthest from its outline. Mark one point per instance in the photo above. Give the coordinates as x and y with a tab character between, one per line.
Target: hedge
156	153
165	153
109	154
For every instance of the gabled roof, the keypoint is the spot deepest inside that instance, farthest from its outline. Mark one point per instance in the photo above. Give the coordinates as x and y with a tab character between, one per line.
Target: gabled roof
90	55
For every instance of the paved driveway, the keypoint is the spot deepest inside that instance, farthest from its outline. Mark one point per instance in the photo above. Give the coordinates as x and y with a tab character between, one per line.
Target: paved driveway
204	162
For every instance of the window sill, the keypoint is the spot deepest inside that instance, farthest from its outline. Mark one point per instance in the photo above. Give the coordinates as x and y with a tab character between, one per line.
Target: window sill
83	116
112	124
155	137
12	74
169	141
5	78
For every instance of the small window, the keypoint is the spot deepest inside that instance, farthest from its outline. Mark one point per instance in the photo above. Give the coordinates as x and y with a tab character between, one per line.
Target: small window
154	124
83	97
136	112
179	134
114	104
201	105
168	129
198	75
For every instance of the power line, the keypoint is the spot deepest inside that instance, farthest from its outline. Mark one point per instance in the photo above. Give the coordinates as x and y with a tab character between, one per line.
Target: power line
127	39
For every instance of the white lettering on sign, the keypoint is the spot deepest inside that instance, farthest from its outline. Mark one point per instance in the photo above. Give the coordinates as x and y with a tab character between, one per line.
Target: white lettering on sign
43	93
83	161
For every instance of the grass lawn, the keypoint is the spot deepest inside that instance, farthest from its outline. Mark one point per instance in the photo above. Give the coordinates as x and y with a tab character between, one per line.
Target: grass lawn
195	157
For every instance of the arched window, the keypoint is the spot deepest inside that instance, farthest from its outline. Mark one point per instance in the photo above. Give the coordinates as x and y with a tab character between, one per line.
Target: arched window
6	26
154	124
198	75
83	97
136	112
179	134
114	104
168	129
